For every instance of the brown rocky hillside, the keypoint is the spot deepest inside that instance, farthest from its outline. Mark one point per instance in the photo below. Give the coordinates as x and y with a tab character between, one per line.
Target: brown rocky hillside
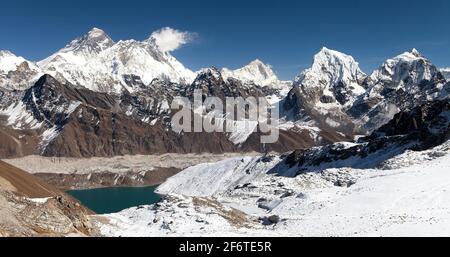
31	207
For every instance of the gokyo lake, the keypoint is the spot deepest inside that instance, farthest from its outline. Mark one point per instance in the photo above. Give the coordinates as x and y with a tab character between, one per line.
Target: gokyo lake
115	199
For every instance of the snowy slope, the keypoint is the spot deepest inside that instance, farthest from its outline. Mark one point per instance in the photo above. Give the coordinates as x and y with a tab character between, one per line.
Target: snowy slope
409	201
376	187
9	62
16	72
334	79
258	73
210	178
19	117
446	73
324	92
413	201
409	64
401	83
97	62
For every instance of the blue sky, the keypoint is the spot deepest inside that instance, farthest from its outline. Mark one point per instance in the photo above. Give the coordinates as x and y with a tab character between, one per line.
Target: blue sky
285	34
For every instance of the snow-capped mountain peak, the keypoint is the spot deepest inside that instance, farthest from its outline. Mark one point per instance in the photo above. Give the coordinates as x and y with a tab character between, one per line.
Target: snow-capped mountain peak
95	61
78	51
5	53
16	72
258	68
96	32
9	61
256	72
416	53
400	83
338	66
94	42
334	77
208	74
410	56
446	73
407	68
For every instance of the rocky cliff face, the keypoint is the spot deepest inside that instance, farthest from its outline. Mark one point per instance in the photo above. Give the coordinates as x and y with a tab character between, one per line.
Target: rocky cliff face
87	109
59	119
336	94
446	73
334	79
30	207
400	84
423	127
324	92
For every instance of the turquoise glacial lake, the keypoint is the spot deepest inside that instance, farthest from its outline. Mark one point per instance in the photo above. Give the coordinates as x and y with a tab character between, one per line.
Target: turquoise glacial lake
115	199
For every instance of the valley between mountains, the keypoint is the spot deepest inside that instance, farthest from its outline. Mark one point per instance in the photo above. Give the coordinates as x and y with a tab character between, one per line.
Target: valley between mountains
358	154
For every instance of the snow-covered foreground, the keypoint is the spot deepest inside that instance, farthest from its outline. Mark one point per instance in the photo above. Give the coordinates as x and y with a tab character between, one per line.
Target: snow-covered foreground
237	197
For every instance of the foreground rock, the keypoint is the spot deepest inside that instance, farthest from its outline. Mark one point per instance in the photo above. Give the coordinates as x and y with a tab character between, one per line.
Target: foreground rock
30	207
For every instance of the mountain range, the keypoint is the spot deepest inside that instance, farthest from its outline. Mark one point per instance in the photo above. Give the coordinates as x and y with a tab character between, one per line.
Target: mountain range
97	97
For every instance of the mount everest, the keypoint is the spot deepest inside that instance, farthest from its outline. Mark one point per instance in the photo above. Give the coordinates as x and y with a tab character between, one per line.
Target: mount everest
95	61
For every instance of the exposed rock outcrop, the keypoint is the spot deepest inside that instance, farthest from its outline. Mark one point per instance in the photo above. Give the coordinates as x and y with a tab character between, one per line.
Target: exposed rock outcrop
421	128
30	207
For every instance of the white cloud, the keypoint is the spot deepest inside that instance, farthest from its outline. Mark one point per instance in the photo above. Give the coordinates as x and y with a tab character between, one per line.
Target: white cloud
168	39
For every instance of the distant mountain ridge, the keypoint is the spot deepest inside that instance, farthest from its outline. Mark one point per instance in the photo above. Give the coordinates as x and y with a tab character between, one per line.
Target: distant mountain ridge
103	98
337	94
58	119
255	72
98	63
16	72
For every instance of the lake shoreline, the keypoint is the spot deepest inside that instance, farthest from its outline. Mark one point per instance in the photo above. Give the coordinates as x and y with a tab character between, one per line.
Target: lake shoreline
118	171
105	187
110	200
